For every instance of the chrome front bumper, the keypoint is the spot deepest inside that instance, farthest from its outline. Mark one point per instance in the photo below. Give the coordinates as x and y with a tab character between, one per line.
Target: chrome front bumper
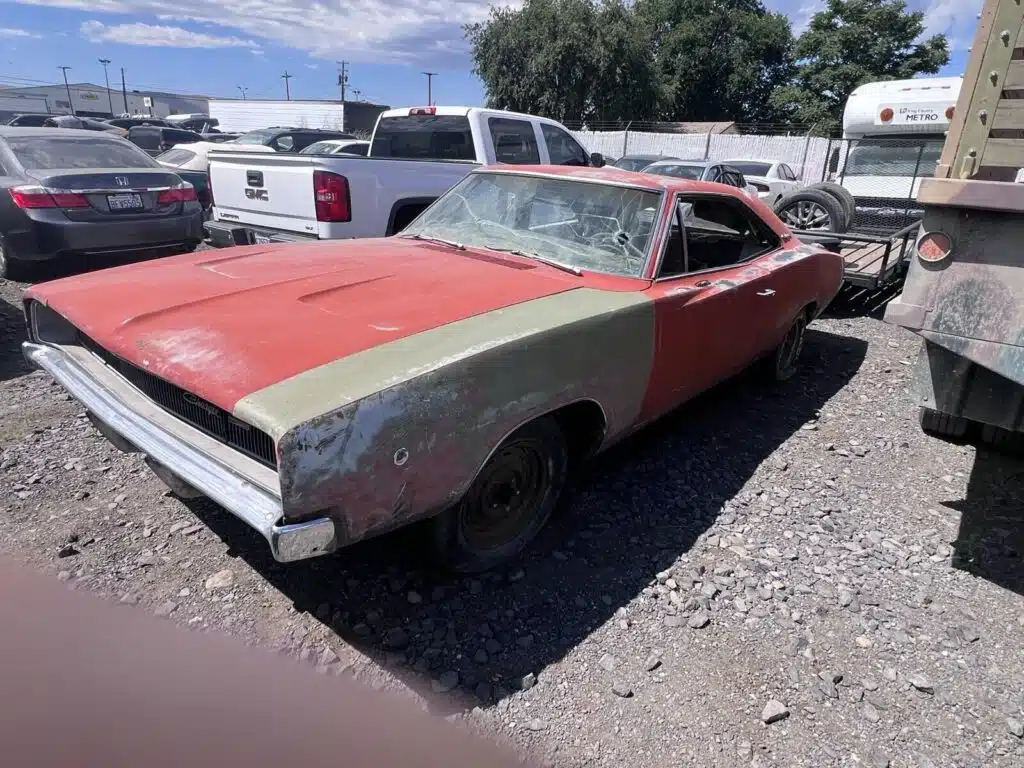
178	447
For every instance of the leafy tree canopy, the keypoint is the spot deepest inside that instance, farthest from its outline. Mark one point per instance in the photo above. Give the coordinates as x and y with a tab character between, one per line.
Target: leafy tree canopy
616	60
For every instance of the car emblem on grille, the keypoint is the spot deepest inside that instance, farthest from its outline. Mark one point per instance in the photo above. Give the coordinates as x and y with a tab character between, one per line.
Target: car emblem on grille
122	181
200	403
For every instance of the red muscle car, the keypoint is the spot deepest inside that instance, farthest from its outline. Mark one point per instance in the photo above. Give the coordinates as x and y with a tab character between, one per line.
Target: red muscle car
530	317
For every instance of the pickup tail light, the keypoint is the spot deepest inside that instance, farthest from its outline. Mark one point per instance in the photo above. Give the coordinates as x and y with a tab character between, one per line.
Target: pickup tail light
41	197
423	111
331	193
182	193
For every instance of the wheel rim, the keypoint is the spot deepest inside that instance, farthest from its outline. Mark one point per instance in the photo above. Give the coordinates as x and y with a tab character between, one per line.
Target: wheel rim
789	350
506	496
805	214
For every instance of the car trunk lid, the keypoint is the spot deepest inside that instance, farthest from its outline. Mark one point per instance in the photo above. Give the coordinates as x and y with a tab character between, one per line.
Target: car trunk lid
112	193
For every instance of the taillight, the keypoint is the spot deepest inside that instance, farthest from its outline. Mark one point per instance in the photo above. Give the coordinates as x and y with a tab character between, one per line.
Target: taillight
182	193
949	113
933	247
41	197
330	190
886	114
423	111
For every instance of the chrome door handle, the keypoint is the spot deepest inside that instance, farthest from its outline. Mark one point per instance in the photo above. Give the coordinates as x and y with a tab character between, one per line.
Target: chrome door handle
766	292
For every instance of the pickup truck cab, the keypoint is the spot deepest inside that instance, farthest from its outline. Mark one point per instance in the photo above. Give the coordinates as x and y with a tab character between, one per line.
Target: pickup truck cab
416	154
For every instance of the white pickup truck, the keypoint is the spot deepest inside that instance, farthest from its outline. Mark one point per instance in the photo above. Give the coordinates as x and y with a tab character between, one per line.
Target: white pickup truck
416	154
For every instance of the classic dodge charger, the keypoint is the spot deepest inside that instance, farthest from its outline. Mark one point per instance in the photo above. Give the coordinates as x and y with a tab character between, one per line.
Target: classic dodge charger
529	318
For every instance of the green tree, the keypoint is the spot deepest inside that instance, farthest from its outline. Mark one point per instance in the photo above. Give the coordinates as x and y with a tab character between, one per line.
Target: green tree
849	43
717	59
643	60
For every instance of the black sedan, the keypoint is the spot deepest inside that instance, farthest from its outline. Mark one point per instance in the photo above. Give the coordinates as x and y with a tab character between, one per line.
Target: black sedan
71	194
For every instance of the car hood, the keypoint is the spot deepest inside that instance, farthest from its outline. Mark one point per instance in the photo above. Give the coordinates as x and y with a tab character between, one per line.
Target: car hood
227	324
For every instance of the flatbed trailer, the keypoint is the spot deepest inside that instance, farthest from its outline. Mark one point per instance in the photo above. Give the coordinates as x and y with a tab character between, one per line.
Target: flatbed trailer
964	289
871	261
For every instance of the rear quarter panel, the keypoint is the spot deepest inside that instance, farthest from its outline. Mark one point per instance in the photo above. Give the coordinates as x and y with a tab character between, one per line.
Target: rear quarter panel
404	428
807	276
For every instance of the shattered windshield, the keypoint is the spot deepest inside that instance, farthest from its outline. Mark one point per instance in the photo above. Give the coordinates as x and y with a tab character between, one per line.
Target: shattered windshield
581	225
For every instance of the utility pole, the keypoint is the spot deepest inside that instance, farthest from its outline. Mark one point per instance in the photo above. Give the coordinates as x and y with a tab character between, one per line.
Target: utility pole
430	90
287	89
106	79
243	89
124	91
342	82
68	88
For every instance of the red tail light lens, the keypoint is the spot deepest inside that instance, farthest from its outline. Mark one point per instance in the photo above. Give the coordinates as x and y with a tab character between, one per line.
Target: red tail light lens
423	111
331	193
41	197
182	193
886	114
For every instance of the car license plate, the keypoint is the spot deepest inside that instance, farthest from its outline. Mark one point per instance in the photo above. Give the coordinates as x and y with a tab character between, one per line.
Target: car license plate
259	238
129	201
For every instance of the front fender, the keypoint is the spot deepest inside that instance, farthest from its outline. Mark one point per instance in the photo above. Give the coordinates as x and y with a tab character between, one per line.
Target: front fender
411	450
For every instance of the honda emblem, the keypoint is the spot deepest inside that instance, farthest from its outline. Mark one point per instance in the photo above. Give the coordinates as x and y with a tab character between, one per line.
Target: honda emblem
122	181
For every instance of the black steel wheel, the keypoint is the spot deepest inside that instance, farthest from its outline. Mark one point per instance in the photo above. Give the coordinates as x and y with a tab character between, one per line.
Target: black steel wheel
786	358
508	503
10	268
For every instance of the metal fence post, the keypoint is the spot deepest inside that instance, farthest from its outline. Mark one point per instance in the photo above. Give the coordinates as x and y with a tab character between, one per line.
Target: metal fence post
625	139
707	146
807	147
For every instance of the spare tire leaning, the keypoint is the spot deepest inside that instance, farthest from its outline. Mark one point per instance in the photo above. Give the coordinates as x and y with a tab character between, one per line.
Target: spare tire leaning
812	209
840	193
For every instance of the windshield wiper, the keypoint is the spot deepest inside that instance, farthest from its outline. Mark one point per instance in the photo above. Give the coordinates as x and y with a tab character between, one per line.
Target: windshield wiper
441	240
570	268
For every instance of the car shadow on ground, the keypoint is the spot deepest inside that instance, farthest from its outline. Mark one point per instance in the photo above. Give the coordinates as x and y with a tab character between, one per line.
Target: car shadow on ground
854	301
12	333
990	542
631	513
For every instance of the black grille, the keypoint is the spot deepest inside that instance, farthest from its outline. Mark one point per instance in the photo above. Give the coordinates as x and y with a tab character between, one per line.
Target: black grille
214	421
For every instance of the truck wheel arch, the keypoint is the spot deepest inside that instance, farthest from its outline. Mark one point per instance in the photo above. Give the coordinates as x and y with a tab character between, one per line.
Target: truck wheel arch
404	211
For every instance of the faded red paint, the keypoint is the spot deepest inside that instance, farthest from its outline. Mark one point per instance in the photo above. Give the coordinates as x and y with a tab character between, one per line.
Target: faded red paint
228	324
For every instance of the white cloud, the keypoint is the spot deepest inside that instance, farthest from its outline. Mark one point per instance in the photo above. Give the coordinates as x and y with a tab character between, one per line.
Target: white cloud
158	36
422	32
9	32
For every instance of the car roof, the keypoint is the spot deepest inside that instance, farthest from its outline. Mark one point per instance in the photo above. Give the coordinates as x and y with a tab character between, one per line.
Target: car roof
684	161
752	160
11	131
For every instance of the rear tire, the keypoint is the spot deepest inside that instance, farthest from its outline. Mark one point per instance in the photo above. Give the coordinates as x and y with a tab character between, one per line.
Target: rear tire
11	268
842	195
959	430
784	361
812	209
508	502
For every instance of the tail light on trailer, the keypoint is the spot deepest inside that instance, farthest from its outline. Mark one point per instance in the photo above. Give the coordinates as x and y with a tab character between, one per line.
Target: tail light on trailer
331	193
181	193
41	197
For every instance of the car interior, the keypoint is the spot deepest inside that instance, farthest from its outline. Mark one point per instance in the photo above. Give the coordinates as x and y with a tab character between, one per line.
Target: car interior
718	234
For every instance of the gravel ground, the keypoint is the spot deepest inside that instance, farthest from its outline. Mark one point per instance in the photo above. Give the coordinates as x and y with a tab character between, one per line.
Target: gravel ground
791	577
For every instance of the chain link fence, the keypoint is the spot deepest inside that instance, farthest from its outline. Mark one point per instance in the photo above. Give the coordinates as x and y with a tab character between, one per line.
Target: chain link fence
882	174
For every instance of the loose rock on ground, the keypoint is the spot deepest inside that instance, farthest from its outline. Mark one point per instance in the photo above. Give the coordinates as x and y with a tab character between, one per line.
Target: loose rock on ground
801	549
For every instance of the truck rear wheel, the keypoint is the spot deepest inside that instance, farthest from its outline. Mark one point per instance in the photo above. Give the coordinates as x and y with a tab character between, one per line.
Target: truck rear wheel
957	429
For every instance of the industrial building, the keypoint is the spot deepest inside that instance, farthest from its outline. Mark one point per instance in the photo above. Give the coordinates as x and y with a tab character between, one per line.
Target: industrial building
91	100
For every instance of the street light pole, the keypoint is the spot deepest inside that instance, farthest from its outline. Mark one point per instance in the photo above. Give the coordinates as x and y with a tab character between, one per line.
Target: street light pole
68	88
243	89
106	79
430	91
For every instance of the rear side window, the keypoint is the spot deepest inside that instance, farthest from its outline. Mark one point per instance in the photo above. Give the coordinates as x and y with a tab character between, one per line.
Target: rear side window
562	148
46	153
429	137
283	143
514	141
176	156
171	134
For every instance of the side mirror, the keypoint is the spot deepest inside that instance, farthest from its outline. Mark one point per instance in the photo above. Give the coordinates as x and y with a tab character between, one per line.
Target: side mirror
597	159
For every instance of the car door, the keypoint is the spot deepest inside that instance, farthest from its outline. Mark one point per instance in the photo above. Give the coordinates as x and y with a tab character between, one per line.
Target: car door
713	297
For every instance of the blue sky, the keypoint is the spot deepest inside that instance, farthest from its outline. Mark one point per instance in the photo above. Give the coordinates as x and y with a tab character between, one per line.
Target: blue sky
214	46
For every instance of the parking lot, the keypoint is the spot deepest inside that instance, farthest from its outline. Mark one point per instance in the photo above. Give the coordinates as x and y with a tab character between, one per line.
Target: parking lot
802	555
